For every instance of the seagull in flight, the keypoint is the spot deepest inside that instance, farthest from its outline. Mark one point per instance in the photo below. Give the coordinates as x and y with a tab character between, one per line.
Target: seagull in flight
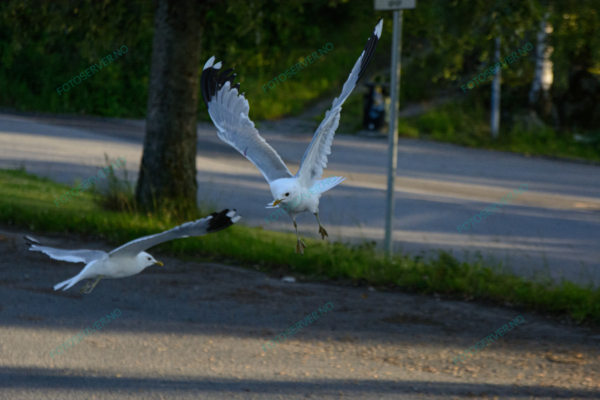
129	259
229	112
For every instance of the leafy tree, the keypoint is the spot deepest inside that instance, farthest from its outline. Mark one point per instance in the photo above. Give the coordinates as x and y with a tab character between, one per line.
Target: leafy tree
45	43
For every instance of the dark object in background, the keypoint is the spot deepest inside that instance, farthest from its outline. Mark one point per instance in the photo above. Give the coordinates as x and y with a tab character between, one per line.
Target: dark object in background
579	108
375	110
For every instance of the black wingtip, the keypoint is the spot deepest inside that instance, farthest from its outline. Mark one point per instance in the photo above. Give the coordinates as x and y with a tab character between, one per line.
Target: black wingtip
30	241
222	220
370	48
212	79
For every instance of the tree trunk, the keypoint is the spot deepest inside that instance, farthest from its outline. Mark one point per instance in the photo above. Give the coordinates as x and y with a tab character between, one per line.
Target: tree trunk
539	99
168	169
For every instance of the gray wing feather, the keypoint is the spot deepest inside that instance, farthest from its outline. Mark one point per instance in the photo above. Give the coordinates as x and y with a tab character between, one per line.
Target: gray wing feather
315	157
213	223
75	256
229	113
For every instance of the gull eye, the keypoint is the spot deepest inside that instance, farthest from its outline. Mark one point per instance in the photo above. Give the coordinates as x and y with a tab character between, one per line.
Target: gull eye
149	259
287	194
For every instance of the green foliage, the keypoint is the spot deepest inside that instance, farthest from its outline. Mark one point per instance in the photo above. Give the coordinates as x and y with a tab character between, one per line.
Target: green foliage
120	193
466	123
457	38
462	123
575	37
27	202
265	38
351	119
44	44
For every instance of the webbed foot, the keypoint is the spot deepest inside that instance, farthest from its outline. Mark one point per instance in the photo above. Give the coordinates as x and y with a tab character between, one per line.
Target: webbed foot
323	232
300	246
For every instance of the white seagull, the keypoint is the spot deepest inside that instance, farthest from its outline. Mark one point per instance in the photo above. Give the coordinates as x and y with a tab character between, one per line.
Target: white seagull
129	259
229	112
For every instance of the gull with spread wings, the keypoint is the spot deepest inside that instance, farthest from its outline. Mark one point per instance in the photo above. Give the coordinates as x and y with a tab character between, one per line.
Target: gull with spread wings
129	259
229	112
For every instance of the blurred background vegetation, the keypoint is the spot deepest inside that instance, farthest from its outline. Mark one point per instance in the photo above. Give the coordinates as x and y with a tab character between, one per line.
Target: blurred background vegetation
44	44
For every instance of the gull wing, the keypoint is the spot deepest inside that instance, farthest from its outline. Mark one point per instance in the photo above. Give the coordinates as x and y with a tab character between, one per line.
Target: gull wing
315	158
211	224
229	113
74	256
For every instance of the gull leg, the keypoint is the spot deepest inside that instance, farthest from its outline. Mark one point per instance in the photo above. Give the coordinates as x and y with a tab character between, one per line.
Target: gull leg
322	230
85	287
300	246
90	286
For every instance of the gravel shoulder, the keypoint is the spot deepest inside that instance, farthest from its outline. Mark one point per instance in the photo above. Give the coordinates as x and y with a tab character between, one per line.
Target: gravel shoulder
194	330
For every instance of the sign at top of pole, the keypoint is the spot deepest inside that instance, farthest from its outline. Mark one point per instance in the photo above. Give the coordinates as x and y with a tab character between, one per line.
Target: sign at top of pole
395	4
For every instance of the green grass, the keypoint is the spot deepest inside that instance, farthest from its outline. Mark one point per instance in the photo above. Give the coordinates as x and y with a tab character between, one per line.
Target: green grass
28	201
467	124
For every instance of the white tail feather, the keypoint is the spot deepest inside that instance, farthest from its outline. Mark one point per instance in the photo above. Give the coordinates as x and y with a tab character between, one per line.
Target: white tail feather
84	274
69	282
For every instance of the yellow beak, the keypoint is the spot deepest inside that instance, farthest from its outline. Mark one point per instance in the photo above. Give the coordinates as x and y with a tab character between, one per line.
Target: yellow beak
159	263
276	202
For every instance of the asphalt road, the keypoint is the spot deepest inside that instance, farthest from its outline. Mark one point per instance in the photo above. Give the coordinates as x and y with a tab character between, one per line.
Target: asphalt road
193	330
553	228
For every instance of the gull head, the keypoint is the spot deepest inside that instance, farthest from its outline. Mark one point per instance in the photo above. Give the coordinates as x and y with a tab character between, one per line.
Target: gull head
285	190
144	260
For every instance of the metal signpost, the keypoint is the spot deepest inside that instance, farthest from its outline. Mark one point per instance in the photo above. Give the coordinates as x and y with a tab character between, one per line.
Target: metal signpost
397	6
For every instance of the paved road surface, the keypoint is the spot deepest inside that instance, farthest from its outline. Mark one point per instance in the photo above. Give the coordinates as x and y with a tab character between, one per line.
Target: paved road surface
553	227
193	330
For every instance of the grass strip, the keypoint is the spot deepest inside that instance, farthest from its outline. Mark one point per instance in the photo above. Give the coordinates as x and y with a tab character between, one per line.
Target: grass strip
466	123
28	201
